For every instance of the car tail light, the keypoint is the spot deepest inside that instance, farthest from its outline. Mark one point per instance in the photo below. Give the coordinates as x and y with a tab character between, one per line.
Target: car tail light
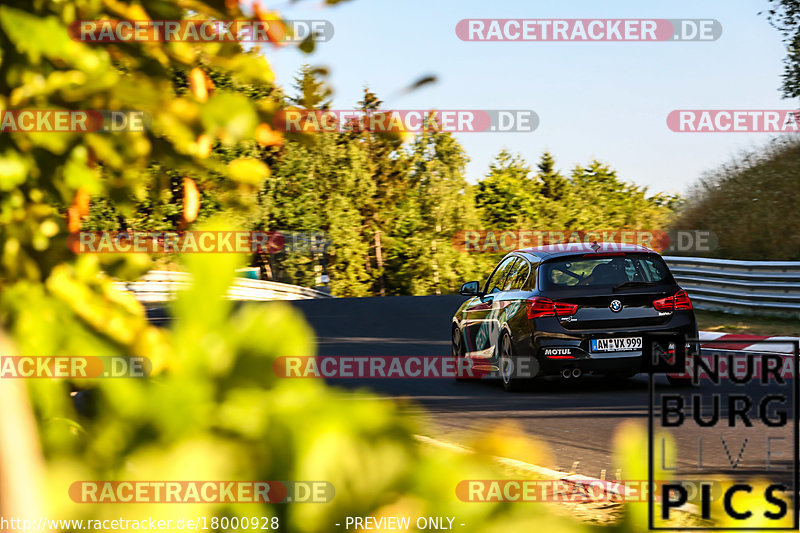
539	306
677	302
565	309
682	301
665	304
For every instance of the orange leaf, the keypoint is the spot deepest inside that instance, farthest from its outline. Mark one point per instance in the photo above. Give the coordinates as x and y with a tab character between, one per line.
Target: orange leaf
276	29
81	201
276	32
191	200
231	5
73	220
266	136
203	146
200	84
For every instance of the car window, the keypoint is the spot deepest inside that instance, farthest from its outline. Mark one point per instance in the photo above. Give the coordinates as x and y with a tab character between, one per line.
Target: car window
605	271
516	278
497	280
653	270
533	277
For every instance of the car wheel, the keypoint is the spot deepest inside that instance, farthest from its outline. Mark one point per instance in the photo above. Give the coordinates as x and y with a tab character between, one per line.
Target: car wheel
458	352
506	364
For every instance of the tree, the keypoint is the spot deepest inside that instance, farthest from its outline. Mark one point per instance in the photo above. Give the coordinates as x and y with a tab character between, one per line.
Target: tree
321	185
439	203
601	201
506	197
593	198
785	16
44	173
555	196
312	93
387	167
554	185
748	204
213	407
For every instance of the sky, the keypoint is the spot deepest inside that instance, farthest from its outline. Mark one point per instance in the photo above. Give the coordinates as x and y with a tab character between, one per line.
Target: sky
597	100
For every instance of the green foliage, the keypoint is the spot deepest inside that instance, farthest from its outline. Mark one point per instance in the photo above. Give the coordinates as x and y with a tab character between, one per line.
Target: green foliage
318	188
600	200
312	93
43	68
592	198
439	202
506	196
785	16
213	408
389	209
553	183
749	204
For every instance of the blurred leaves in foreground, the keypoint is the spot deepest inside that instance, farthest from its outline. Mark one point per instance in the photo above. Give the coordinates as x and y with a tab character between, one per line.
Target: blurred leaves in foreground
213	409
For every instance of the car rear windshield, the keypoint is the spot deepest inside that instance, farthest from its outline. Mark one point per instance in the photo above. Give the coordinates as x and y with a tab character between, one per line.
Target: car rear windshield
605	271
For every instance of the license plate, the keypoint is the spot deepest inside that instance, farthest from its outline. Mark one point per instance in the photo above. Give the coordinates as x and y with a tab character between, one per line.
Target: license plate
620	344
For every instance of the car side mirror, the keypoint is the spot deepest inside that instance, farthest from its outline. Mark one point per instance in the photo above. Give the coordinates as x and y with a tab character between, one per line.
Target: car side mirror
471	288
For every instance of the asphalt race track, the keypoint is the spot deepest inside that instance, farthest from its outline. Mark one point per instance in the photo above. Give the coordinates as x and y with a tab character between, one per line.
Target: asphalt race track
576	417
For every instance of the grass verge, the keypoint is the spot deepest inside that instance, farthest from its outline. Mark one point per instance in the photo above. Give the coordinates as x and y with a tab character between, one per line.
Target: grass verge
747	325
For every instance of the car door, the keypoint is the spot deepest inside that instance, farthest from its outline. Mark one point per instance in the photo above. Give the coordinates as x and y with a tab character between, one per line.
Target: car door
481	313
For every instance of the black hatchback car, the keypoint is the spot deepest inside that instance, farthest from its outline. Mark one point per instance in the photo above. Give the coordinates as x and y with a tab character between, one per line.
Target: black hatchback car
572	309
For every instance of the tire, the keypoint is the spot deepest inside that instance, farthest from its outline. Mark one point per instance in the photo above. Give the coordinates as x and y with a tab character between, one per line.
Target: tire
505	360
457	348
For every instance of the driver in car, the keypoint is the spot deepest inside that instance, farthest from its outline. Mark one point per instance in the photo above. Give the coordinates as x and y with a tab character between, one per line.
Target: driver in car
610	273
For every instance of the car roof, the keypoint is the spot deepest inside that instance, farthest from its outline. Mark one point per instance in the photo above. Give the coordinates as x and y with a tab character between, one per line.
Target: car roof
566	249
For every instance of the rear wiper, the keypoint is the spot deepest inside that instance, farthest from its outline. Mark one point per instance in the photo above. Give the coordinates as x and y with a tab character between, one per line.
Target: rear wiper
625	284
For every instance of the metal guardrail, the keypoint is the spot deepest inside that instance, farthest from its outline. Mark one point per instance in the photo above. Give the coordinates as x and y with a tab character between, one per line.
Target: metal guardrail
741	287
161	286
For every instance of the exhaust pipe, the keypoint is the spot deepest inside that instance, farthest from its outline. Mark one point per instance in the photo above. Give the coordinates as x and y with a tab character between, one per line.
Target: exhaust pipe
576	373
566	373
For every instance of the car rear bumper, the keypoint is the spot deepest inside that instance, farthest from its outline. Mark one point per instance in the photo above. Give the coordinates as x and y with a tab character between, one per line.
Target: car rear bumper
620	362
559	350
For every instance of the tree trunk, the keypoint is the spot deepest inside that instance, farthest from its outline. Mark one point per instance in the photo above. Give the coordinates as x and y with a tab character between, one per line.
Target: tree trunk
379	263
